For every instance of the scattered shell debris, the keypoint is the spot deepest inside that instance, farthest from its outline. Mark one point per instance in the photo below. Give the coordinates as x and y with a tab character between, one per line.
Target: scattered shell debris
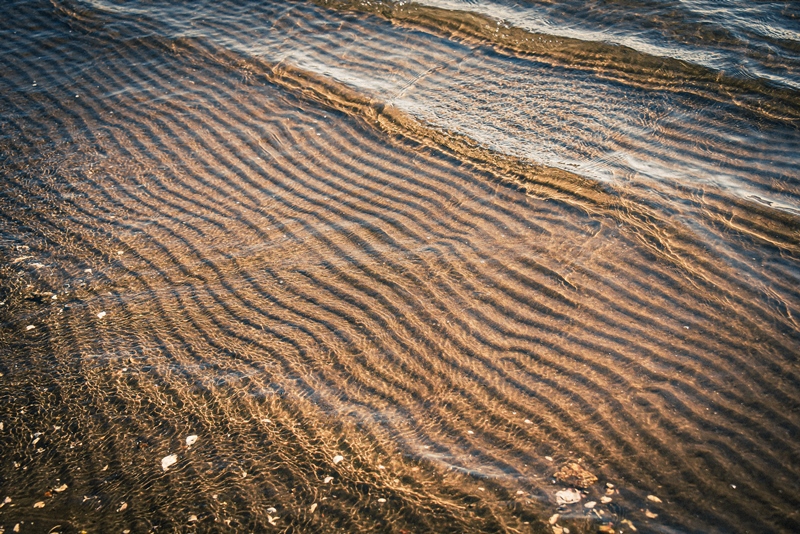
30	327
327	480
338	458
101	315
650	514
653	498
313	507
191	440
62	487
38	504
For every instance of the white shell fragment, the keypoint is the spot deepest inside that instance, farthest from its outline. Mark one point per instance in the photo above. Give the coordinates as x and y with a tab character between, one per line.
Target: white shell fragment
338	458
191	440
168	461
30	327
653	498
327	480
122	507
381	500
39	504
568	496
101	315
313	507
590	504
62	487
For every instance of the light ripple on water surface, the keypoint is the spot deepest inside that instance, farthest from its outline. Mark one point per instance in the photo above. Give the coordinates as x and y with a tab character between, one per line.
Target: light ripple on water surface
391	295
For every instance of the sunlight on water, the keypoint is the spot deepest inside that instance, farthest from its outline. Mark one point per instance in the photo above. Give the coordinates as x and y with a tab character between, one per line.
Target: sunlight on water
343	266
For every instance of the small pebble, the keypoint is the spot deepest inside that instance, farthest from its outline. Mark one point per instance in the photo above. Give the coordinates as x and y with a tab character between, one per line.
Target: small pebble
168	461
590	504
605	499
554	518
381	500
568	496
122	507
630	525
650	514
192	518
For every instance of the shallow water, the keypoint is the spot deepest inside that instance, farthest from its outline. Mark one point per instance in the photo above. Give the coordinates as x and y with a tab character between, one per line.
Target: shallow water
395	265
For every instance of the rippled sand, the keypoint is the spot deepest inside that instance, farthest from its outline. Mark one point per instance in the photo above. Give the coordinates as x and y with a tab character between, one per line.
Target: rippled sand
385	305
